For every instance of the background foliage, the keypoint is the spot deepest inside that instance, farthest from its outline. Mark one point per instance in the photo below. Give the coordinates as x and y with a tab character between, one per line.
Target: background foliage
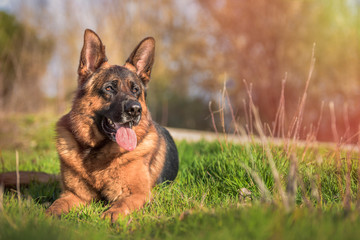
201	45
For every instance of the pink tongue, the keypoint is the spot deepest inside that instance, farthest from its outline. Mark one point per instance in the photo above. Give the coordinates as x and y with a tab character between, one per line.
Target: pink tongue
126	138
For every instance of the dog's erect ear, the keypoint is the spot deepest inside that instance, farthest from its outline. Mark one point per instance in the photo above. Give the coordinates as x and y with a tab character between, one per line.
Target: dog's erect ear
141	59
92	55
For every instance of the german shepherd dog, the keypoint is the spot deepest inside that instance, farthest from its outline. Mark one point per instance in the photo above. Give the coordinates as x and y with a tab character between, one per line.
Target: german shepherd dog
108	145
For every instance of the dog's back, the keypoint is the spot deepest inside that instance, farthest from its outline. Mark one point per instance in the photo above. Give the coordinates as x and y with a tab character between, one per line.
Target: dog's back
171	164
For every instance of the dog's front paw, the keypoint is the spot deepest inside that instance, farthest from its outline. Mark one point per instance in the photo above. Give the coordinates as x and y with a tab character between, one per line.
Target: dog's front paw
114	212
54	211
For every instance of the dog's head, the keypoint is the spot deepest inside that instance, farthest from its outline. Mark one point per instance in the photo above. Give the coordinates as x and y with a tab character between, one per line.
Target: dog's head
110	101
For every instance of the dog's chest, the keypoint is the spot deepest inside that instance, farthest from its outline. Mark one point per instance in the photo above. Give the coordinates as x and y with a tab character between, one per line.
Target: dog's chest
112	174
102	165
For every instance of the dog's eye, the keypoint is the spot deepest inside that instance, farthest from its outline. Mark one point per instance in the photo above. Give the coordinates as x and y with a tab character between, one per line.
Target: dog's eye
135	89
109	89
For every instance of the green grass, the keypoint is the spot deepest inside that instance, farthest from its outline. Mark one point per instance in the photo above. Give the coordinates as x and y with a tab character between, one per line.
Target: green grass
204	202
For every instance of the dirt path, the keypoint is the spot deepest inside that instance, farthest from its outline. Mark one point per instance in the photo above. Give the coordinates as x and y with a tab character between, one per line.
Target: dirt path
195	135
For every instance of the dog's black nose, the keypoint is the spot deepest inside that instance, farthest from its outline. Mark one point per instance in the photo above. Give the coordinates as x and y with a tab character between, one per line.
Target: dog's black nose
133	109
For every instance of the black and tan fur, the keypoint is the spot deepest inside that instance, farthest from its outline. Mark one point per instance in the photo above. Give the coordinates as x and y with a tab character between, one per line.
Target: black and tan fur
93	166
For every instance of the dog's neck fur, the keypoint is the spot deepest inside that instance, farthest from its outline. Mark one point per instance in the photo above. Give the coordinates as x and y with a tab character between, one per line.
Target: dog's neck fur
83	126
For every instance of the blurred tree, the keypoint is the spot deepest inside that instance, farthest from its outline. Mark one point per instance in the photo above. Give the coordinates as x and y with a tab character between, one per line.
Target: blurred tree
200	44
23	57
262	40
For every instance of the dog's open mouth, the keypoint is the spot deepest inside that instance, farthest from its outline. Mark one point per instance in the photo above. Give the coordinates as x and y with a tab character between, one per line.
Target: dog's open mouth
121	133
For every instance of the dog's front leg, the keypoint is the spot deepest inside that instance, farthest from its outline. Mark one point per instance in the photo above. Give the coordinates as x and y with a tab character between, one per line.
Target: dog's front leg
75	192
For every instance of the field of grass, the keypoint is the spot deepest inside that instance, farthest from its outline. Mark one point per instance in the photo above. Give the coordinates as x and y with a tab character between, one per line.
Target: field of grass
217	194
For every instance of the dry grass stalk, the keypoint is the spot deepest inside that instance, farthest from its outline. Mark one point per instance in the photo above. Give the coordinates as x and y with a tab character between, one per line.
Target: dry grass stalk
17	177
270	159
303	192
247	144
232	112
222	111
2	162
358	173
347	195
295	126
250	104
337	150
319	161
214	125
333	122
311	137
291	186
1	198
347	122
306	149
247	119
319	120
265	194
279	123
314	189
303	99
268	128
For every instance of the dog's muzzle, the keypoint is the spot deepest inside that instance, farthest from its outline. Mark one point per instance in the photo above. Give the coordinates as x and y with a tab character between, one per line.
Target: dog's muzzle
126	114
